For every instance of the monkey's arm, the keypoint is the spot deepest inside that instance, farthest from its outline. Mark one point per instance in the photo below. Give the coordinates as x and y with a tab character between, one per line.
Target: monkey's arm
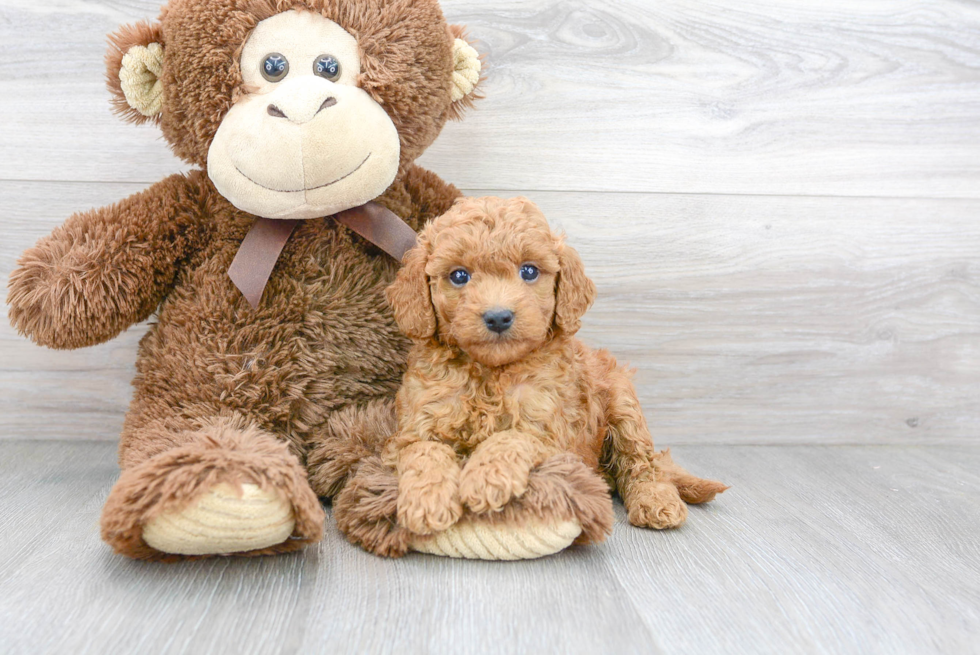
106	269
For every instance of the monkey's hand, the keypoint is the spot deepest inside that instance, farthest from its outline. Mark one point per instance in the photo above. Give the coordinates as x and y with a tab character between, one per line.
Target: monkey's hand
105	269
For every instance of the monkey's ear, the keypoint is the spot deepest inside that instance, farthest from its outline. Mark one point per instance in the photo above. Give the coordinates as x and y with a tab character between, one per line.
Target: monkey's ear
409	295
467	64
575	292
134	65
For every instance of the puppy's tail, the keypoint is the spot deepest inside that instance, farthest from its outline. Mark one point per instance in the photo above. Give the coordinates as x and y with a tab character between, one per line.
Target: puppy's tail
693	490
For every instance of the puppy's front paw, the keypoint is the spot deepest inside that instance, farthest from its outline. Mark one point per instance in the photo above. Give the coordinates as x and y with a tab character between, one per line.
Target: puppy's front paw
429	506
655	505
489	485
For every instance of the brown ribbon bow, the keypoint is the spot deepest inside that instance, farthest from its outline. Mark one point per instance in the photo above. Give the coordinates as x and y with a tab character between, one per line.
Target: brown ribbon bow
259	252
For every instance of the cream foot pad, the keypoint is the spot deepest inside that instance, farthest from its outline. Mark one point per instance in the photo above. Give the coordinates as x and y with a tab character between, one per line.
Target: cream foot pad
499	542
223	521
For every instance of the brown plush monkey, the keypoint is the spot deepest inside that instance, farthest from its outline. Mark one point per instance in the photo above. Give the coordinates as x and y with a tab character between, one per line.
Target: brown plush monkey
292	112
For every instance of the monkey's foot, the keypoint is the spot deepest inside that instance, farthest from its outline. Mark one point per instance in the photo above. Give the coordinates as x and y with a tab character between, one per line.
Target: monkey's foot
228	489
470	539
223	520
565	503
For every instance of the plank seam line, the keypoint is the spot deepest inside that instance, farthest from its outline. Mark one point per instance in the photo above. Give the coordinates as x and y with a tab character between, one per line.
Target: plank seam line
578	191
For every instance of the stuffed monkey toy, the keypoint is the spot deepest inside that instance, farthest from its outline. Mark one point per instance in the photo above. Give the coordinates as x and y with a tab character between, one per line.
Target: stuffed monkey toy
265	265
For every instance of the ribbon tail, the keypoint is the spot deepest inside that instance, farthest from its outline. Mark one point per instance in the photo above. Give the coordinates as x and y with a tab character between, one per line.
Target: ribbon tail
381	226
257	256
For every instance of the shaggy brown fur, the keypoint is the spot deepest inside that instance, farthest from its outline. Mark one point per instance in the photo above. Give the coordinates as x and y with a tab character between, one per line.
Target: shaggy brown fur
226	450
219	386
479	410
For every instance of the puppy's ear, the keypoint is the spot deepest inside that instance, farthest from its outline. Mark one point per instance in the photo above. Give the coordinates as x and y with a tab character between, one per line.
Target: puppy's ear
409	295
575	292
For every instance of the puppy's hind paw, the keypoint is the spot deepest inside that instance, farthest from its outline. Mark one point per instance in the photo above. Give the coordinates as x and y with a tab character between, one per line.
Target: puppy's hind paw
655	505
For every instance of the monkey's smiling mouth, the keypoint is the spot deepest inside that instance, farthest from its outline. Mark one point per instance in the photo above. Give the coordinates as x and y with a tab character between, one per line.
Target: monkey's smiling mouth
304	190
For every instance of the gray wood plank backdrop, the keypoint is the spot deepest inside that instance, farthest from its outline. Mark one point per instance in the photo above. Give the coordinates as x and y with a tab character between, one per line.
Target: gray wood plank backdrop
779	201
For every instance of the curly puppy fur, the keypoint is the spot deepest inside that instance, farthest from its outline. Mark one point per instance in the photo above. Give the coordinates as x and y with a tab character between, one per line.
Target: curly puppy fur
480	409
225	393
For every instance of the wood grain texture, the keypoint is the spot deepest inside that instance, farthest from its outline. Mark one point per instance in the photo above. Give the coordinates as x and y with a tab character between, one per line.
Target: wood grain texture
696	152
814	549
833	550
750	319
696	96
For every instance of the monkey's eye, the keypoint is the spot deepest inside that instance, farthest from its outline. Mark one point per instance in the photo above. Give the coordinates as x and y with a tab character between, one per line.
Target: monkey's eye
529	272
459	277
275	67
327	66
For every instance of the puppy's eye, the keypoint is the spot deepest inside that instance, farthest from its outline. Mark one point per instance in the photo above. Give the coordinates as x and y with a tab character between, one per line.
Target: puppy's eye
459	277
529	272
274	67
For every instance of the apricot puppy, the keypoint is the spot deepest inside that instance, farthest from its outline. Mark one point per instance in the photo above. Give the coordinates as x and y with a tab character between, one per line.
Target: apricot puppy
497	382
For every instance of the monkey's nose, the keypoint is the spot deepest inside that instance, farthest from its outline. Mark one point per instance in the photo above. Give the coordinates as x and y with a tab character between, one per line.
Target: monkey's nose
498	320
276	112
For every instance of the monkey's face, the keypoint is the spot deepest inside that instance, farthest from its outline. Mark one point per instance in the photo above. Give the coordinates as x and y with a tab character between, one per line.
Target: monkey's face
297	108
303	140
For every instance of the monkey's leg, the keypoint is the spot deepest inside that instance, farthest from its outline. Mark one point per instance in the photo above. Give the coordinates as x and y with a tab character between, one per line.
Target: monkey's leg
349	435
565	502
212	485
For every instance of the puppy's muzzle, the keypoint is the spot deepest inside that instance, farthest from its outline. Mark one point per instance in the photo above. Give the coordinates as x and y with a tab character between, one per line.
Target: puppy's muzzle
498	320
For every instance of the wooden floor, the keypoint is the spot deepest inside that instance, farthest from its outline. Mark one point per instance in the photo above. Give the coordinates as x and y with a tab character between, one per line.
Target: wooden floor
814	549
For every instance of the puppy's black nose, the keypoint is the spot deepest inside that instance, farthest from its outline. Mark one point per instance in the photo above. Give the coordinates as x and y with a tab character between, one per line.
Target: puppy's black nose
499	320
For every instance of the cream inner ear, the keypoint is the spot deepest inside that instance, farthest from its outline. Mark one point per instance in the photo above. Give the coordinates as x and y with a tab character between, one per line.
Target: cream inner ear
466	69
139	78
